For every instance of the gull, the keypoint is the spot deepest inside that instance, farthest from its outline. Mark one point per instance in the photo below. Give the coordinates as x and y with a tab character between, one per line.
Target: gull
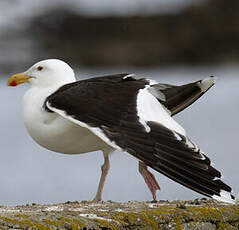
119	112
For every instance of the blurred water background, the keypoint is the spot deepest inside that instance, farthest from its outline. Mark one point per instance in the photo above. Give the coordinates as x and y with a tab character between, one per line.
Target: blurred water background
172	41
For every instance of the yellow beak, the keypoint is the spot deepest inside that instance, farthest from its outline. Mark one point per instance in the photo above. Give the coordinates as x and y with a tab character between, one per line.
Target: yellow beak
17	79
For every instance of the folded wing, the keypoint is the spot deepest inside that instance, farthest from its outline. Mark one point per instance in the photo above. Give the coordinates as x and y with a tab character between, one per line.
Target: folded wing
122	111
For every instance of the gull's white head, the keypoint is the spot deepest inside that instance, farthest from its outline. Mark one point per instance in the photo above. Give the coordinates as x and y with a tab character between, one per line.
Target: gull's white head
47	73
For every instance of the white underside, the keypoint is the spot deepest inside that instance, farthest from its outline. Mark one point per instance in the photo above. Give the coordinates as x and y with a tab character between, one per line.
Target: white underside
55	132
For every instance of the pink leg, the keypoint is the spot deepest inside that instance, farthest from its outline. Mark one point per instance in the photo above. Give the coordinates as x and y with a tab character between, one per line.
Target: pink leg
104	171
149	179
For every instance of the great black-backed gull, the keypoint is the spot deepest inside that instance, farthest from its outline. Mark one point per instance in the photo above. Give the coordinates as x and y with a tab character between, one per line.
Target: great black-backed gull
118	112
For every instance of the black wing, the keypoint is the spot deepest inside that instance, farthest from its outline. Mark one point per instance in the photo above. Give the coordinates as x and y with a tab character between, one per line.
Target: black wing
110	104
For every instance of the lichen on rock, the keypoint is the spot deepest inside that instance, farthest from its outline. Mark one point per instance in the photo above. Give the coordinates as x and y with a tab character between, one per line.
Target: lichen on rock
173	215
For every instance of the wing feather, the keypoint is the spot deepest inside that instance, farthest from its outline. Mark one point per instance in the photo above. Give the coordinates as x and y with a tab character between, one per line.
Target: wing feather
109	110
176	98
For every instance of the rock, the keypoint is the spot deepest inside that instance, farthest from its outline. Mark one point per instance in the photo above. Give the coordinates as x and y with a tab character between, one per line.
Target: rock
200	226
206	215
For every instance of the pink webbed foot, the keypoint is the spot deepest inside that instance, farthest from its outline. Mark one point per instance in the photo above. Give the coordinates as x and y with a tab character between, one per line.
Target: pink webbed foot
149	179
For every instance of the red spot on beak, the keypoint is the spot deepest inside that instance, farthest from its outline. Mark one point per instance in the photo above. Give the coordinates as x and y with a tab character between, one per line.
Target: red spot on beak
13	83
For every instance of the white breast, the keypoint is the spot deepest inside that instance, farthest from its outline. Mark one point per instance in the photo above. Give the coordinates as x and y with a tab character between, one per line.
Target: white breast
54	132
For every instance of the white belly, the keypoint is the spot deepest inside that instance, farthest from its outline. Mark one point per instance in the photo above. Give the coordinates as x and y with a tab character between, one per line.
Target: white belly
56	133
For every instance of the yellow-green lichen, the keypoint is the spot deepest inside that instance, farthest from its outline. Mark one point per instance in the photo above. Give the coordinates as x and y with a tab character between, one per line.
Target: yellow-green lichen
177	222
224	226
102	222
52	222
121	217
14	222
21	215
148	219
40	226
72	223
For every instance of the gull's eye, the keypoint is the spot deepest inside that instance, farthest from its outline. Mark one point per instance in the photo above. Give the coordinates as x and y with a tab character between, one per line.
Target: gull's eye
39	68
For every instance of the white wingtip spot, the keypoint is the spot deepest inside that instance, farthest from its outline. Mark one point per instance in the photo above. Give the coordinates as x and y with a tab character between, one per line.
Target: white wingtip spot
212	164
177	136
224	197
206	83
193	146
152	82
222	177
132	75
202	156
